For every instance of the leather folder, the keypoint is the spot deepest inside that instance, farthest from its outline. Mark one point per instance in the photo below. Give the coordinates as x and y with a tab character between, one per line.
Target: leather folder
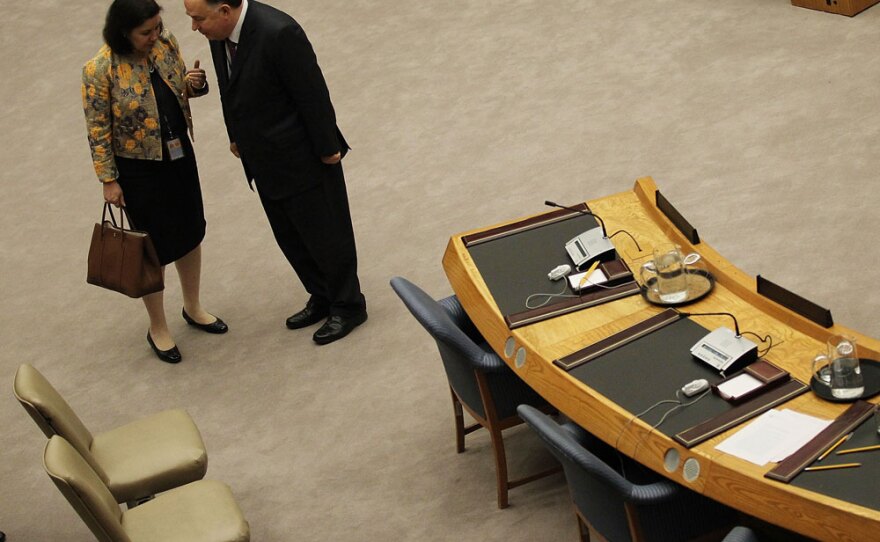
617	340
741	413
786	470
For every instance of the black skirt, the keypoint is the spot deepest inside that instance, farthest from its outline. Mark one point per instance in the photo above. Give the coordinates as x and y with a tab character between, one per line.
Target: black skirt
164	199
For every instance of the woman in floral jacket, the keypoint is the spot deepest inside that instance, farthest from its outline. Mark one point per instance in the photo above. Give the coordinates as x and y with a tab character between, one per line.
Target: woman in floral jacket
135	95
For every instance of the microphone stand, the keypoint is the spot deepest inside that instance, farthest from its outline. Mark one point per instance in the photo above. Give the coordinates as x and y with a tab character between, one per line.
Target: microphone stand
581	211
735	322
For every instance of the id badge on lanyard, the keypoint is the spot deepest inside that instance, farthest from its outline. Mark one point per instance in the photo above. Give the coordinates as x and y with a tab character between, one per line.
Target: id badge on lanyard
175	149
173	144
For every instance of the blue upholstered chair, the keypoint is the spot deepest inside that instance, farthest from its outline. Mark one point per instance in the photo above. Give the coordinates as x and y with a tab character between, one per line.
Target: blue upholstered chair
640	506
479	380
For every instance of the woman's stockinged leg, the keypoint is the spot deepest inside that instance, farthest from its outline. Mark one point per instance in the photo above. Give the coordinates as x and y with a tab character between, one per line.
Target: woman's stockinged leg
155	304
189	268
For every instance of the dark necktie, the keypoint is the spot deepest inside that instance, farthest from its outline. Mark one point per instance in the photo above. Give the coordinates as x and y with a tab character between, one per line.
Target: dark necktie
232	47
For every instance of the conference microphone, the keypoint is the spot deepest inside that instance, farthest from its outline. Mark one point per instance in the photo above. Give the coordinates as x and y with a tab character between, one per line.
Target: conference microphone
723	349
593	243
594	215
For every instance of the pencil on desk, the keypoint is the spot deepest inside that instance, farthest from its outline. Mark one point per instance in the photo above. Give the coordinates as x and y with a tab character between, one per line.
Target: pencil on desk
862	449
830	467
587	274
836	444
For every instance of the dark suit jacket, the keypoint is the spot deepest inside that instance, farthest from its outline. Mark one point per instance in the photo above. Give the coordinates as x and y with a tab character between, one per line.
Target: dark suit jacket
276	104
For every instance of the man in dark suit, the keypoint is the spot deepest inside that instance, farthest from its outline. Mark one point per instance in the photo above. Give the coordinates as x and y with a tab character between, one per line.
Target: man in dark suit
282	126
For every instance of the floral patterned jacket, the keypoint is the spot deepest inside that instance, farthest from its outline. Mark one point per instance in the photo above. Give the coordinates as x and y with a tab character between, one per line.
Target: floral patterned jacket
122	116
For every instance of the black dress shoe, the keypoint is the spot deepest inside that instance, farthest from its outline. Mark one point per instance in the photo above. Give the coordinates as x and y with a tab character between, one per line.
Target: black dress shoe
217	327
337	327
172	355
312	314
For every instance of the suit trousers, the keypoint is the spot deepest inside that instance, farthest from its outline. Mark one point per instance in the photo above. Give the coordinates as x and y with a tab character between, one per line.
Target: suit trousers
313	229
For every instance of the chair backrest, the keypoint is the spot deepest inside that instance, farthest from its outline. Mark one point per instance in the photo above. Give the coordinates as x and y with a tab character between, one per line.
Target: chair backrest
654	509
84	490
51	412
598	491
448	324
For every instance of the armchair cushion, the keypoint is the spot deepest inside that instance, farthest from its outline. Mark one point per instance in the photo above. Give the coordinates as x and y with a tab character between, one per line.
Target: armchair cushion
151	455
203	511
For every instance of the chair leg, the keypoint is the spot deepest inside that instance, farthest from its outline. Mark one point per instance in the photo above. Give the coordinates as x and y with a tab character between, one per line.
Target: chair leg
635	526
500	465
583	528
494	427
459	422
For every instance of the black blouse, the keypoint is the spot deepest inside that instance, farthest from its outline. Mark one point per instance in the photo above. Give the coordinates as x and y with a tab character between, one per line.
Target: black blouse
170	115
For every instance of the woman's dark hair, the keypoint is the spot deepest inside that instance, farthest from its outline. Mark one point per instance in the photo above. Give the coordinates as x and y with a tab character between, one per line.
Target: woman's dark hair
123	17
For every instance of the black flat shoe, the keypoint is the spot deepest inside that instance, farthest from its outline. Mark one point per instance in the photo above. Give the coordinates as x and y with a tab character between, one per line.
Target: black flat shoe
310	315
217	327
337	327
172	355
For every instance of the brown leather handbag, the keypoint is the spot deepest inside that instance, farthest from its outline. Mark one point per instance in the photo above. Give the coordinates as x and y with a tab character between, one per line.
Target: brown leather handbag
123	260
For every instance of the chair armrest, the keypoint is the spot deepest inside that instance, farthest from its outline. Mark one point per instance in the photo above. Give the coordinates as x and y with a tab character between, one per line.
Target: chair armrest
741	534
491	363
460	318
655	493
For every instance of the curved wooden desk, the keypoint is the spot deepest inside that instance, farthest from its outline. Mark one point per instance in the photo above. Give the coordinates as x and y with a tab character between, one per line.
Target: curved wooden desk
724	478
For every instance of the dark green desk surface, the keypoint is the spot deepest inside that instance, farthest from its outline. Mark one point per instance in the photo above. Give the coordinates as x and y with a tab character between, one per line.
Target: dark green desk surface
651	369
852	485
516	266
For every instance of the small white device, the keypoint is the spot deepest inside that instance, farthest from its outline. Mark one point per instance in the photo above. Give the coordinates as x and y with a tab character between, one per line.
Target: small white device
697	386
723	350
559	271
588	245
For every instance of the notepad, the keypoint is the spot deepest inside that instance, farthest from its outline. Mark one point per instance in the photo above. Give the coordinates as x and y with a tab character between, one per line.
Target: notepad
755	379
738	386
596	277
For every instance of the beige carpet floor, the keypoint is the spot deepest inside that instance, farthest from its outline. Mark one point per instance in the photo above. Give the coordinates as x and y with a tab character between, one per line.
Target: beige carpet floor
757	119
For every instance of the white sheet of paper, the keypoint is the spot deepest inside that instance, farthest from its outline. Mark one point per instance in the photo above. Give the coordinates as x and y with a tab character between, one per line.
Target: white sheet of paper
773	436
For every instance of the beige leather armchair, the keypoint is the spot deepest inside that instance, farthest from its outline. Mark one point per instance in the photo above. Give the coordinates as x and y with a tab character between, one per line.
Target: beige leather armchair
134	461
202	511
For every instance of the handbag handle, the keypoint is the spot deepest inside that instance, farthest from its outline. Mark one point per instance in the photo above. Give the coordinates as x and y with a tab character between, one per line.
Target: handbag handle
123	216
